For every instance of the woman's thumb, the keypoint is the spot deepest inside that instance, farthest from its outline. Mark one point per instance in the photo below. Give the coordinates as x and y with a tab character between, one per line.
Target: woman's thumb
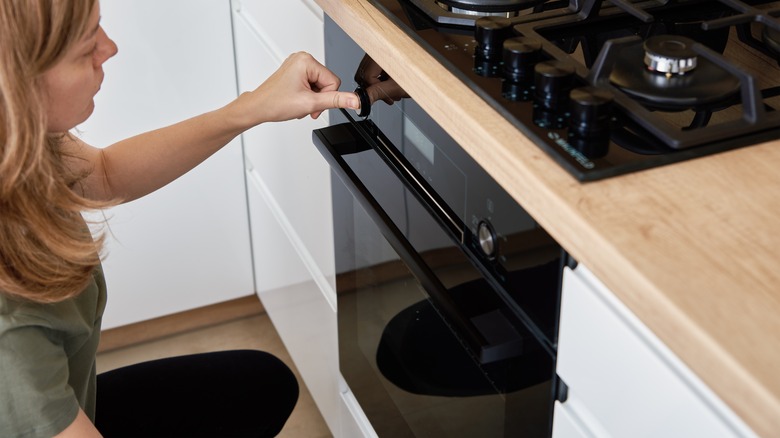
344	99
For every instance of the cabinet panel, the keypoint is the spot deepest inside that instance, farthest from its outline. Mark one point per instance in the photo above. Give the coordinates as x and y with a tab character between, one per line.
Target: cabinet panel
294	26
286	162
186	245
289	199
623	378
566	424
304	318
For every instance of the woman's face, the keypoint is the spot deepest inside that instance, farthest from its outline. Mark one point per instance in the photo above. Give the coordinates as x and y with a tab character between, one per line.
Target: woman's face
72	83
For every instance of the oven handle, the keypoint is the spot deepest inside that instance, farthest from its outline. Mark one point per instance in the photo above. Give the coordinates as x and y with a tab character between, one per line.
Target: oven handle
336	140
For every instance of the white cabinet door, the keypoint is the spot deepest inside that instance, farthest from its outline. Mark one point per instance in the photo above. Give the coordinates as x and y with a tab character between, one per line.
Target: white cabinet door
566	424
622	380
290	201
186	245
281	156
301	314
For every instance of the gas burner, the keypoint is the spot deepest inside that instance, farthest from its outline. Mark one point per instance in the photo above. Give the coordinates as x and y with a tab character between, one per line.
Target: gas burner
670	55
686	78
666	74
465	12
506	8
690	25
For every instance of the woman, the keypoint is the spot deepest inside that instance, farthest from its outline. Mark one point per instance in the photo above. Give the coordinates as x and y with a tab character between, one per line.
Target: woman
52	292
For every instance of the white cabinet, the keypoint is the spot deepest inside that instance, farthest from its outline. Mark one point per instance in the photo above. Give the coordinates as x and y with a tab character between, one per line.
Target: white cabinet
290	200
302	316
281	156
622	380
187	245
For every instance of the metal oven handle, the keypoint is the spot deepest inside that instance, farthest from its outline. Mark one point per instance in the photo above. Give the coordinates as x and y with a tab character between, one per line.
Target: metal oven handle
338	140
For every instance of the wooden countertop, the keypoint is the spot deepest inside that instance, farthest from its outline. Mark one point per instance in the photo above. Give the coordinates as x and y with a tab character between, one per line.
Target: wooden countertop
693	249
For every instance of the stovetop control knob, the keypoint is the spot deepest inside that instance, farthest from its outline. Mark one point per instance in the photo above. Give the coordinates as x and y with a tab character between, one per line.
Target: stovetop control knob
490	33
591	112
553	81
487	239
520	56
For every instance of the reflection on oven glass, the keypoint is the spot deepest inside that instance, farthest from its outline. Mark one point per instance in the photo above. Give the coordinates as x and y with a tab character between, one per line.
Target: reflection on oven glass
419	364
409	368
416	138
377	84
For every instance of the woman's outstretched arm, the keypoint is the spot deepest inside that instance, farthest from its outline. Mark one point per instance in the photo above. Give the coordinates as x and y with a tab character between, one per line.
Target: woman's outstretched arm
139	165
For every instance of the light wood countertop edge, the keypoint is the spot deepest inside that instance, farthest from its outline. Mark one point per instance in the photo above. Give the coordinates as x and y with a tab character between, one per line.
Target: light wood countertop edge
686	273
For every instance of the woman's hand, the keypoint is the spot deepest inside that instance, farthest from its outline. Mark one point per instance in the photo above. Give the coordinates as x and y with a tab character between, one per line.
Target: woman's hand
300	87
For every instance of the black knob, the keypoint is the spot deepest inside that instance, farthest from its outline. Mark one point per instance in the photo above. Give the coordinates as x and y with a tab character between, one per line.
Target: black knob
490	33
553	81
520	56
591	112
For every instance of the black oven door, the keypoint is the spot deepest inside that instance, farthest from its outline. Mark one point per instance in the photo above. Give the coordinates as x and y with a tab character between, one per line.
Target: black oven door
427	344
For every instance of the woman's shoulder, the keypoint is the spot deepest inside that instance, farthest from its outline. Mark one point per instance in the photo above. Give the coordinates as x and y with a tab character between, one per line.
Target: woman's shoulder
70	316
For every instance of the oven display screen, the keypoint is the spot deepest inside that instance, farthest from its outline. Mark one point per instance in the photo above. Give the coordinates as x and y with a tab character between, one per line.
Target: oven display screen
416	138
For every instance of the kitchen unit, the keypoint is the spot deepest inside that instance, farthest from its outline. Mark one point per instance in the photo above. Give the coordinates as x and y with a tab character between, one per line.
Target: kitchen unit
187	245
622	380
687	247
289	200
447	290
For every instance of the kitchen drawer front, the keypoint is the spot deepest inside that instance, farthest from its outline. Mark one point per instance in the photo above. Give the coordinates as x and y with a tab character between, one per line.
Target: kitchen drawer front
567	424
287	167
301	314
288	26
622	379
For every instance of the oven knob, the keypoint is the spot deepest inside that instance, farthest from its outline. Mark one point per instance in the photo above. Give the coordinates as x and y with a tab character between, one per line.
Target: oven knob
490	33
520	56
591	112
487	239
553	81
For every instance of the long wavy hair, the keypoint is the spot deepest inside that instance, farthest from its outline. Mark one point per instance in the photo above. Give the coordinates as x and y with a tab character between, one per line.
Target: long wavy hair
47	252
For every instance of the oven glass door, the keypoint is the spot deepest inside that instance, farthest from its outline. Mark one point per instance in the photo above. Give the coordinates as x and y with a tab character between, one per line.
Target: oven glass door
426	344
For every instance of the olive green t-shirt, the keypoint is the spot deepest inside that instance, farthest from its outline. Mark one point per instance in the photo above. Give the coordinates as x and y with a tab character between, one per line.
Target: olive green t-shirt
47	361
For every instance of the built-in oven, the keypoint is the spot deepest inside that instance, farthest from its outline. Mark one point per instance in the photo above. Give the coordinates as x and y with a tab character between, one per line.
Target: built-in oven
448	291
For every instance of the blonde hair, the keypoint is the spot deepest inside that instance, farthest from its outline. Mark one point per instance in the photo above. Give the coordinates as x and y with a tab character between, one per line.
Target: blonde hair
47	253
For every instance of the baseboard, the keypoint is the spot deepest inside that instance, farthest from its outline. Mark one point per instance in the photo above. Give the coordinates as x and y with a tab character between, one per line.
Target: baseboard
179	322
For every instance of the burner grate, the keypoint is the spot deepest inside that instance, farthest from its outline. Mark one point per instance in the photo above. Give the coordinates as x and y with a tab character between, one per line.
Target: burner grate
722	94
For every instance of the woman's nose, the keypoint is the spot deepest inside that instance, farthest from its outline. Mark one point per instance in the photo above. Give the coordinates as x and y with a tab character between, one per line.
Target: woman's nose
106	48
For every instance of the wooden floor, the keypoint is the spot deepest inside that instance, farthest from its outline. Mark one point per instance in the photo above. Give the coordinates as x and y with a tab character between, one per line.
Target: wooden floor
255	332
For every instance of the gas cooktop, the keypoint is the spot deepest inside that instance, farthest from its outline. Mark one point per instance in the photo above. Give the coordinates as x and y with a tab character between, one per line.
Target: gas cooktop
610	87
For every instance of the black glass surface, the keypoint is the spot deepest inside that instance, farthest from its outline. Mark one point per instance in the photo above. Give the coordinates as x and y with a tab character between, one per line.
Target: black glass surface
593	36
401	348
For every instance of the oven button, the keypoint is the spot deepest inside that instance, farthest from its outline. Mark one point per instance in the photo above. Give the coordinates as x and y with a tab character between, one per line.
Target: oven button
487	239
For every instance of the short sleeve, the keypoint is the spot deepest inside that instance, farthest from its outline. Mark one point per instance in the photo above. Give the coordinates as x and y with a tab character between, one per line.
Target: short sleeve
37	399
